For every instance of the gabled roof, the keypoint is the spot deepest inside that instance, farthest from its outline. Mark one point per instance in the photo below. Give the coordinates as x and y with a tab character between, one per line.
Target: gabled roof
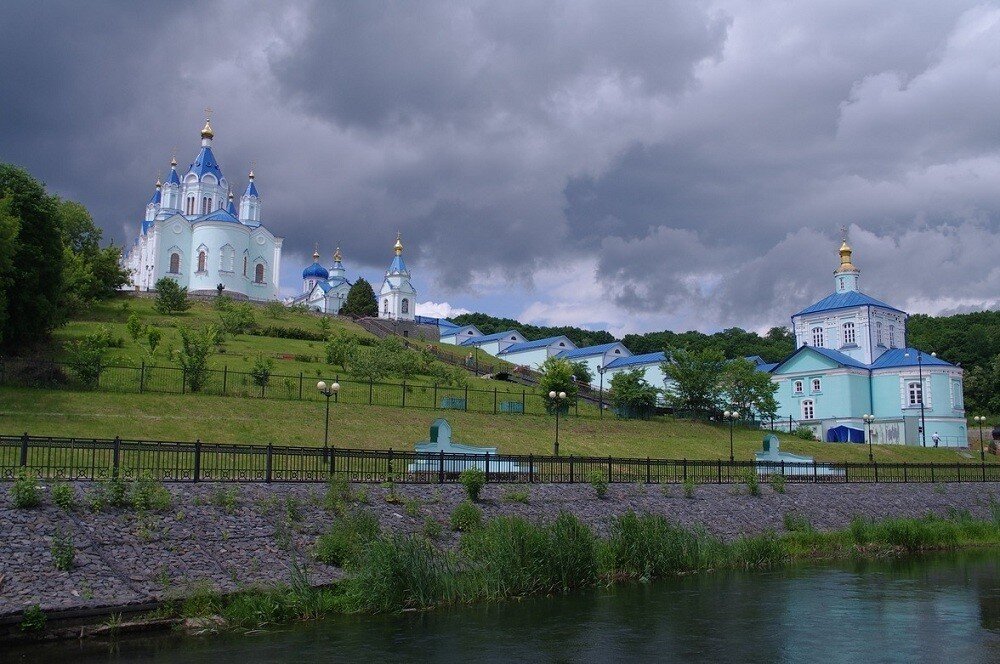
219	215
332	284
829	353
537	343
844	300
173	178
396	266
591	351
907	357
251	190
637	360
205	163
231	209
157	196
459	329
767	367
496	336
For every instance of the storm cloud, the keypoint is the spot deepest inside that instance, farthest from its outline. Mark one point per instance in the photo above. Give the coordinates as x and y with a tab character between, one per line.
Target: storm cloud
630	166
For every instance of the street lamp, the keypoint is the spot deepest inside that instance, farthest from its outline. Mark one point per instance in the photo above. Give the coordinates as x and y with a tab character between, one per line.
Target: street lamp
868	426
557	398
981	420
327	391
601	370
920	377
732	416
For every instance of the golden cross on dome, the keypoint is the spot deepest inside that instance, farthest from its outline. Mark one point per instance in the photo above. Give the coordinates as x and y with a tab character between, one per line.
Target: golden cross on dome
843	233
208	112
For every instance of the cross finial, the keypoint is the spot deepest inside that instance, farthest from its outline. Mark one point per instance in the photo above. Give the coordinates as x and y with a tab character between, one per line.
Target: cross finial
208	112
843	233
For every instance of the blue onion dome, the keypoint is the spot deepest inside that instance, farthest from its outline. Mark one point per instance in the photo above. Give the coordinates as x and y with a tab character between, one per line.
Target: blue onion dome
315	270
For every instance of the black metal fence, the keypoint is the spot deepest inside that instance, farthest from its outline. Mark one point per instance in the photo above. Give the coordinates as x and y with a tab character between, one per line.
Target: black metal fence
97	459
508	398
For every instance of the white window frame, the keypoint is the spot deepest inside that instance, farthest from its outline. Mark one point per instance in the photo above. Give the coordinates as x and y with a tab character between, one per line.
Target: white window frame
914	394
850	334
798	386
816	385
879	340
808	409
892	336
818	337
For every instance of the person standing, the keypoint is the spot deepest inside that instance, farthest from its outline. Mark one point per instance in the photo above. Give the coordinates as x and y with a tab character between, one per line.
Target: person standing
936	438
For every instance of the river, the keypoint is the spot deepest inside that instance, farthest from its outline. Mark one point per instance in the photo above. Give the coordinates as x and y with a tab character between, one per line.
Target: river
930	609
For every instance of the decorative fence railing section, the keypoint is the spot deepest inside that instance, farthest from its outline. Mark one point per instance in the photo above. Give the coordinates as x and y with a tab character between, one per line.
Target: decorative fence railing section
97	459
18	372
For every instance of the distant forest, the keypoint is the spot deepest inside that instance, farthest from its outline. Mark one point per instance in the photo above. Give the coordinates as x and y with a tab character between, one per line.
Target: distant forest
969	340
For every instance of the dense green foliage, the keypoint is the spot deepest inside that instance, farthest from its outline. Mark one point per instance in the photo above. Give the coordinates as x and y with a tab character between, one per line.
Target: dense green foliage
698	379
491	324
557	376
360	300
734	342
749	391
473	479
632	395
170	297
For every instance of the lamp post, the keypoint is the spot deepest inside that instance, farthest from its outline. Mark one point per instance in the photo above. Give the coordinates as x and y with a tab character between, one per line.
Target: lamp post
732	416
981	420
920	377
557	398
327	391
600	371
868	432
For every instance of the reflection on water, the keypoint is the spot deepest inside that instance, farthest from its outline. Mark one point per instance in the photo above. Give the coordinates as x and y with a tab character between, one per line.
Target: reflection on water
915	610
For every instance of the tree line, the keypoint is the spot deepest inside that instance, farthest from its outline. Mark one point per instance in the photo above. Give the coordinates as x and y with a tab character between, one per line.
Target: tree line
51	261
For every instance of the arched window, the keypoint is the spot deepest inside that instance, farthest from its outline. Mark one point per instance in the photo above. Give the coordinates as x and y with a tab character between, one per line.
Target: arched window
244	266
817	337
227	258
849	337
405	306
892	336
206	204
258	273
816	385
385	306
879	341
175	263
202	262
797	387
190	205
808	411
914	393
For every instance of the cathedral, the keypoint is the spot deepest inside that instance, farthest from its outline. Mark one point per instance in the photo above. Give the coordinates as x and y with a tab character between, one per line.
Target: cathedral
194	234
326	290
852	360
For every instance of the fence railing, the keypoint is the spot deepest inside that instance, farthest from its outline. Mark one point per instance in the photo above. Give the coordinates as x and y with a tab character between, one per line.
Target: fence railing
82	459
143	378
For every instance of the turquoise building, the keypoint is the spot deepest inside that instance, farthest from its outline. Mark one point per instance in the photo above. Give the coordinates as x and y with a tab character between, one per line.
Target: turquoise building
852	359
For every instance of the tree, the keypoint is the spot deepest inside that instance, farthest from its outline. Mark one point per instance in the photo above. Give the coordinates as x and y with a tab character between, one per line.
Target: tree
557	377
170	297
195	347
982	387
134	327
696	377
582	372
33	280
360	300
261	370
632	395
153	337
749	390
341	348
237	318
9	227
85	356
89	272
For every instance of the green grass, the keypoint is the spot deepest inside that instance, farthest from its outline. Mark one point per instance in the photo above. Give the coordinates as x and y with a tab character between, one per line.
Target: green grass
260	421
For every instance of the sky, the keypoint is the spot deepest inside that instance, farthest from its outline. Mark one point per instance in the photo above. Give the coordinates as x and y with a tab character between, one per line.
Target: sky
629	166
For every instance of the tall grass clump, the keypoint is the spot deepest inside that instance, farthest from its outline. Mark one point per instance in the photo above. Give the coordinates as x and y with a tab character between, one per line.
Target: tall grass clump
572	560
507	556
473	479
599	482
24	491
466	517
778	483
752	482
649	546
399	573
688	487
345	541
757	552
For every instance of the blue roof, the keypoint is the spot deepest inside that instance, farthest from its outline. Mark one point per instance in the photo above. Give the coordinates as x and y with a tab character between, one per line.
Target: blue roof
231	209
205	163
589	351
844	300
496	336
767	367
645	358
330	284
146	225
173	178
157	195
448	325
836	356
315	271
219	215
397	265
907	357
531	345
251	190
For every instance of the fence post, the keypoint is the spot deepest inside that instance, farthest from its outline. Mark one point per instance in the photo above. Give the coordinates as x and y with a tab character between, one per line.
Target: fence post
225	378
389	467
984	470
609	469
719	466
441	468
467	398
197	461
815	474
142	376
115	457
300	386
267	463
932	473
404	393
523	408
494	401
531	469
649	474
24	449
876	471
371	390
570	468
958	469
684	468
905	480
487	466
183	379
333	463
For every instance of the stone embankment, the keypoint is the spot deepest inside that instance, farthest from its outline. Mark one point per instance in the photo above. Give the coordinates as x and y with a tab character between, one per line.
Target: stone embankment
237	536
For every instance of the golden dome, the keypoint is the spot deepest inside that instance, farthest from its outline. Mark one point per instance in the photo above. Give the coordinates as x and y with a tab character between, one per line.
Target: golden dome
158	183
845	259
399	243
230	194
250	175
206	131
336	256
173	161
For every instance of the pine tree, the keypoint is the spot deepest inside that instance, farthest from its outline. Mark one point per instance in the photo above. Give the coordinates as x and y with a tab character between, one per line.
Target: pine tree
360	300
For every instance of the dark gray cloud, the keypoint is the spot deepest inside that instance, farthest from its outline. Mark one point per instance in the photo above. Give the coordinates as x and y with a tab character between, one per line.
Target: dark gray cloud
629	165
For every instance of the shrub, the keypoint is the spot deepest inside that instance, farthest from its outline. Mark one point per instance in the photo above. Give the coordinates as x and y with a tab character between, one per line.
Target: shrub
346	539
134	327
689	485
63	552
278	332
338	492
148	494
261	370
111	492
517	495
805	433
227	499
170	297
63	495
195	347
752	482
432	527
413	507
466	517
153	337
631	395
473	479
275	310
778	483
238	318
24	491
599	481
84	357
33	619
797	523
